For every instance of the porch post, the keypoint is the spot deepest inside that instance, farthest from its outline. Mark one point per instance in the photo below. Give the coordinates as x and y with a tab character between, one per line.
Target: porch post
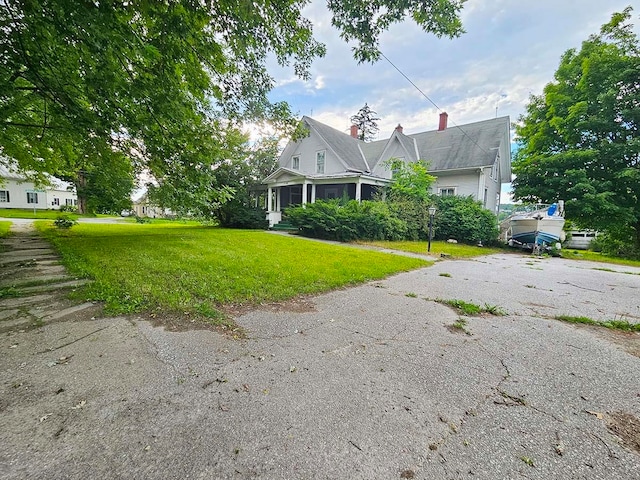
270	200
304	193
278	199
313	193
358	190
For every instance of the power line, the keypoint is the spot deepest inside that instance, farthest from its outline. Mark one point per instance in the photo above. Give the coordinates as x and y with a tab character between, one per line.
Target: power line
432	102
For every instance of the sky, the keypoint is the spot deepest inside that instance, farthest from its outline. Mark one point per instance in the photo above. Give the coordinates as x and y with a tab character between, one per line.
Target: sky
511	49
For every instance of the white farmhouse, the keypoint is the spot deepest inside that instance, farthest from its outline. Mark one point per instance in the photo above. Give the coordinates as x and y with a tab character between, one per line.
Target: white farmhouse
17	192
468	160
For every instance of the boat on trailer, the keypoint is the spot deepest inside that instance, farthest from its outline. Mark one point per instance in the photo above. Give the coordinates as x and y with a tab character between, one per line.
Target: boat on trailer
537	226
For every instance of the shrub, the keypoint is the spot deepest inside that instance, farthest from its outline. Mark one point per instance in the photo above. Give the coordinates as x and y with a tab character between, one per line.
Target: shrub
64	221
235	214
68	208
346	221
465	220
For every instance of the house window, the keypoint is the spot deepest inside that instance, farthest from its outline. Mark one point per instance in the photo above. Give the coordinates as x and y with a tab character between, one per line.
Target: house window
68	202
494	171
4	196
32	197
56	201
320	161
295	162
447	191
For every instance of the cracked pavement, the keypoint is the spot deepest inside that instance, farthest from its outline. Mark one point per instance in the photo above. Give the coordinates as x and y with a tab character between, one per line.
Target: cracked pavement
371	382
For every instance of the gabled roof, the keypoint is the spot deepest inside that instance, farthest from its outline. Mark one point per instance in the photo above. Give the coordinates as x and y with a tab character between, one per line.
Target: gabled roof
461	147
346	148
471	145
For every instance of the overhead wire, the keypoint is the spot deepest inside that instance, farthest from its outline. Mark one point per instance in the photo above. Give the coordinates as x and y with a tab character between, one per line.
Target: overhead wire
432	102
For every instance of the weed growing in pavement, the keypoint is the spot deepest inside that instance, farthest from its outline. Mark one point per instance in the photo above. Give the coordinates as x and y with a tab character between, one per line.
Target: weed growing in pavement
411	295
470	309
623	325
461	325
528	460
444	274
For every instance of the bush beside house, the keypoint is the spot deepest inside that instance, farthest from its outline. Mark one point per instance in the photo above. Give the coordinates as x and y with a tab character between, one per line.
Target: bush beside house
461	218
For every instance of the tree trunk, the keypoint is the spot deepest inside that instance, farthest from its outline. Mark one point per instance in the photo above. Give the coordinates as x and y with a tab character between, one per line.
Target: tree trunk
81	189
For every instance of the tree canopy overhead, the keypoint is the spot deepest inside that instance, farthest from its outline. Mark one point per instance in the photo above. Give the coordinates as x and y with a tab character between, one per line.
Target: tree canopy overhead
158	81
580	139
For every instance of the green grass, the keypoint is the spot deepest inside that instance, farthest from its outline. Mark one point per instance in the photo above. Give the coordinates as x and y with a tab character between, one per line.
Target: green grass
456	250
4	228
597	257
467	308
611	324
140	267
39	214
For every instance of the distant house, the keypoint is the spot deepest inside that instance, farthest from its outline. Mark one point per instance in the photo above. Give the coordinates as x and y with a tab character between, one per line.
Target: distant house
142	207
472	159
17	192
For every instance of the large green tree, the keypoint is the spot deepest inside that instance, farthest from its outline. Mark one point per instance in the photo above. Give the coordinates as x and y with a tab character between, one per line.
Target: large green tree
580	139
152	80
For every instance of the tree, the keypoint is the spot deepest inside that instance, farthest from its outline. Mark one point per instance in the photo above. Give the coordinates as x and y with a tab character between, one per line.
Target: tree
580	139
152	79
367	123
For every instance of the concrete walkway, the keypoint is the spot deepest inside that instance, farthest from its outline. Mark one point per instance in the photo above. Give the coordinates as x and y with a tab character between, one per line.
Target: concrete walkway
371	382
33	283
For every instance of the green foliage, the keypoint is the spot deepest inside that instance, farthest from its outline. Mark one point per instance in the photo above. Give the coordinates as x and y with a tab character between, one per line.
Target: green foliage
68	209
367	123
465	220
580	139
64	221
411	180
4	228
97	91
344	222
623	325
617	241
467	308
414	213
197	269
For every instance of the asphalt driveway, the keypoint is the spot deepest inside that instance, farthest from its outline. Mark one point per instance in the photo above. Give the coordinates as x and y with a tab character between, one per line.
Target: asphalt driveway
361	383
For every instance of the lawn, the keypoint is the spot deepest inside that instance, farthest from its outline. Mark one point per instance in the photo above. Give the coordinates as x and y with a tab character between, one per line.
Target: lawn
597	257
4	228
456	250
140	267
29	213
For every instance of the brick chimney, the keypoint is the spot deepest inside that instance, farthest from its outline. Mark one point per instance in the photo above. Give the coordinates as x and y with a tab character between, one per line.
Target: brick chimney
443	121
399	128
354	131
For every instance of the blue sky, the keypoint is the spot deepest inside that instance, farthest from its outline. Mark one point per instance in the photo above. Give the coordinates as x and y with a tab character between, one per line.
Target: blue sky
511	50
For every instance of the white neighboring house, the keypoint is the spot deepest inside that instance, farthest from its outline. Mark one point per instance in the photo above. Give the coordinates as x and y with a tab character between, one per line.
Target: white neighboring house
143	208
17	192
472	159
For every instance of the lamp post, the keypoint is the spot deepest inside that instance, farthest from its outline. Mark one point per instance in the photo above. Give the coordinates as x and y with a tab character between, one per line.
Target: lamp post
432	212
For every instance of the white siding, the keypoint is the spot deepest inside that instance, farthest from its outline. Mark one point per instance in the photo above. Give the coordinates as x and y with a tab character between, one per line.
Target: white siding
18	196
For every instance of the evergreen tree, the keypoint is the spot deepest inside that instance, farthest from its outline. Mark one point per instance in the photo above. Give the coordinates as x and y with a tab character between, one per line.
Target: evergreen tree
367	123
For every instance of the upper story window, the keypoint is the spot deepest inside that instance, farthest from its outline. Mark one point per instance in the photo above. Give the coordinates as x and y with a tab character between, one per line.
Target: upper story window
494	170
295	162
447	191
320	161
4	196
32	197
